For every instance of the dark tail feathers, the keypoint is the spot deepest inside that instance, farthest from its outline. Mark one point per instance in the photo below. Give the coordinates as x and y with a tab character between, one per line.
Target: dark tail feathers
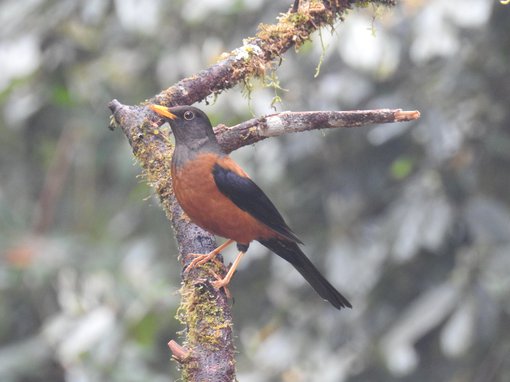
293	254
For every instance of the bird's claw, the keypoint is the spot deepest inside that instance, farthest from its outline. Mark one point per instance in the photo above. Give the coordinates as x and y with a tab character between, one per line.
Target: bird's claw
221	282
199	259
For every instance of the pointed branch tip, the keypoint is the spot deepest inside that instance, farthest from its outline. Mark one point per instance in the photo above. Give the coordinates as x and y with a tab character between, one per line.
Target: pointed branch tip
403	115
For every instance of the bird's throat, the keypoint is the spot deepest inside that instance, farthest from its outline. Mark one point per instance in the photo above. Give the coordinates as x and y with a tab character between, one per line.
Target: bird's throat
185	152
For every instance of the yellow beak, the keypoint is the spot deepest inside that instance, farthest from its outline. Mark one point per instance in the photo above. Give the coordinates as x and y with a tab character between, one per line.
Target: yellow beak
162	111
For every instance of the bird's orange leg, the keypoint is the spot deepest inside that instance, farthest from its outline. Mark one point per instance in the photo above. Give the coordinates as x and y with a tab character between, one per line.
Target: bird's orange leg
223	282
201	259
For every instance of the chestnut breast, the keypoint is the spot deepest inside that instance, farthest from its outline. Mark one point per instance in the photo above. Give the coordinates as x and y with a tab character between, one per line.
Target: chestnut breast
198	195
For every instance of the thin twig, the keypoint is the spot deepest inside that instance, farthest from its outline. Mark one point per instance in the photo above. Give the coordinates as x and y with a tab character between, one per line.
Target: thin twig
54	182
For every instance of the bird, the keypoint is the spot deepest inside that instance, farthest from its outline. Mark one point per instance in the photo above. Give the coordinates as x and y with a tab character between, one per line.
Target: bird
220	197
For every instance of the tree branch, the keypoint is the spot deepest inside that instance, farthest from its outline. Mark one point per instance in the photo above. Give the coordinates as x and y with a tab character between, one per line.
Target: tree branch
207	353
257	129
261	53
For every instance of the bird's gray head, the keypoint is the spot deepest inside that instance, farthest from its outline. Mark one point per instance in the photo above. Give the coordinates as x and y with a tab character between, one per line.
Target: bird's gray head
191	127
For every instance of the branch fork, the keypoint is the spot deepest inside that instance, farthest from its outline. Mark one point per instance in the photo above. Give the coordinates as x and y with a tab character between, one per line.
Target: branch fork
207	353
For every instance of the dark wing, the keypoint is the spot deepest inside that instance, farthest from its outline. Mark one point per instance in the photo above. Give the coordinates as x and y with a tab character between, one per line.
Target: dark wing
246	195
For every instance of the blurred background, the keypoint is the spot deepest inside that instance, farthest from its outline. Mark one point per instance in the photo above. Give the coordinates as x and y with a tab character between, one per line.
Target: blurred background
410	221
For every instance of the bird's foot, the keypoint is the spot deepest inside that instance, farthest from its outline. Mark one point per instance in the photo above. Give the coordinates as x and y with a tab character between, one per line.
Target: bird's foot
201	259
221	282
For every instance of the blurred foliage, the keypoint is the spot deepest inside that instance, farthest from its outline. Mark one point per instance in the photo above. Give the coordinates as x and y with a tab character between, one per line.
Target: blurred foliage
410	221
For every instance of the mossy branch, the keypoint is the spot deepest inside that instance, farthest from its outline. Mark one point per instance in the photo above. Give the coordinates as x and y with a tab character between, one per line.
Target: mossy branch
260	54
207	352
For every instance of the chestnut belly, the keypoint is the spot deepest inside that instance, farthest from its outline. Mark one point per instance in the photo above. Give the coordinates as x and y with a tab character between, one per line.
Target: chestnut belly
198	195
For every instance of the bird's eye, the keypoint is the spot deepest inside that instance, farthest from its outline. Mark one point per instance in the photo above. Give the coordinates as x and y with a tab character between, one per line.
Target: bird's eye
189	115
